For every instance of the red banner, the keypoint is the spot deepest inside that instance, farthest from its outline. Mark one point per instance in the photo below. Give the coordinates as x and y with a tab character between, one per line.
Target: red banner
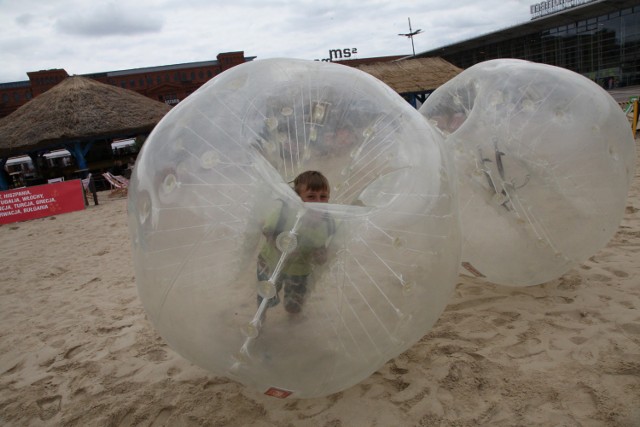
27	203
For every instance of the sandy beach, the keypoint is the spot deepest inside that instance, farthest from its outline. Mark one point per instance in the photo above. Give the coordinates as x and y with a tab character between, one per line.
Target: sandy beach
76	347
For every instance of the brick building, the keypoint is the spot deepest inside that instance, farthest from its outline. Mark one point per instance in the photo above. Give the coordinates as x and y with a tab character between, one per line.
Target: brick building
166	83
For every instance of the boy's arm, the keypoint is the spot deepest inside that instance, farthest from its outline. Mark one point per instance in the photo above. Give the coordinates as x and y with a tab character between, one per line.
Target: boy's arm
270	223
319	255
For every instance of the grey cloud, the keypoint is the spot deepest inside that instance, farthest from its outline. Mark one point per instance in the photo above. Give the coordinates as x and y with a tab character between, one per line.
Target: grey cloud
25	19
109	20
266	28
346	22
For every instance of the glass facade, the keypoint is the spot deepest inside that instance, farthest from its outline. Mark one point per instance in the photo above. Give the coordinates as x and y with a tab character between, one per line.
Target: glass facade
604	48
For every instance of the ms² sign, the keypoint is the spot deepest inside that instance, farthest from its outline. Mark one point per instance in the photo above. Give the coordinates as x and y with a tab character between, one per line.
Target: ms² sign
338	54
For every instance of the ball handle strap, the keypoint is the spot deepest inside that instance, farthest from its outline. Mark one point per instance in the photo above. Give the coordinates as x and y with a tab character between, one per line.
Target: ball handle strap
252	329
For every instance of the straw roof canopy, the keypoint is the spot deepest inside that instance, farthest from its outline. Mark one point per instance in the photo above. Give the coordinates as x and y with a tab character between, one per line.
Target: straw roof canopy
77	109
413	75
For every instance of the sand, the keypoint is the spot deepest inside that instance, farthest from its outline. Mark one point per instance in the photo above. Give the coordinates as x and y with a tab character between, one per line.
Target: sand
76	348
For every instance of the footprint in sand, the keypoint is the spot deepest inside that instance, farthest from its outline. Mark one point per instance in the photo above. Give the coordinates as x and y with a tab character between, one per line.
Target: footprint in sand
475	303
173	371
600	278
156	355
631	328
627	304
505	318
73	351
578	340
585	355
162	417
54	272
15	368
528	348
47	362
104	330
569	282
49	406
618	273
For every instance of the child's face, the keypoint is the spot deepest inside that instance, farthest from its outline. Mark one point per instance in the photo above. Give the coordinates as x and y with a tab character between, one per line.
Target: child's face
321	196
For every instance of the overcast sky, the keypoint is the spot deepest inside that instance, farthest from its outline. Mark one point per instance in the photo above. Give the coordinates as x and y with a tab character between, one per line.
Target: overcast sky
87	36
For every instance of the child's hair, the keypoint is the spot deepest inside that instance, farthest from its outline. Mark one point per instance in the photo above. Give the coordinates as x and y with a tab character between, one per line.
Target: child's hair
312	180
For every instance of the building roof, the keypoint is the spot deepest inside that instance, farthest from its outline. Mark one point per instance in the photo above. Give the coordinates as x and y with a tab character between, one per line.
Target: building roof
132	71
13	85
413	75
171	67
566	16
77	109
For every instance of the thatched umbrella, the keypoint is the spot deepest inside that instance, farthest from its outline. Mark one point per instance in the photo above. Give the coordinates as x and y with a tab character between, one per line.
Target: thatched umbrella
77	111
413	76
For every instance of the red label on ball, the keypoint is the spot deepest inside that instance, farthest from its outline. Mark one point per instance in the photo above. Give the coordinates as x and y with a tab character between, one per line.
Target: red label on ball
278	392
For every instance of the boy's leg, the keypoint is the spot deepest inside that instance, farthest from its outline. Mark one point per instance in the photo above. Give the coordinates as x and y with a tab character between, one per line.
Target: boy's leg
295	287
